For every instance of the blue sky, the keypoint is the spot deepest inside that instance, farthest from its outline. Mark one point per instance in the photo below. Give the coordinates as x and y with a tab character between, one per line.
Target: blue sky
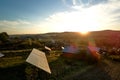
42	16
28	9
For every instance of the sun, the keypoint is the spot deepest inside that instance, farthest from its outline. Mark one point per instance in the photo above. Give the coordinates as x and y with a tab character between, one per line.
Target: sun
82	21
84	32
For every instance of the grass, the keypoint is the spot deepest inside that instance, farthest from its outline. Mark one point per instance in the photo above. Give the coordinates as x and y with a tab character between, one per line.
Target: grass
115	57
11	61
14	67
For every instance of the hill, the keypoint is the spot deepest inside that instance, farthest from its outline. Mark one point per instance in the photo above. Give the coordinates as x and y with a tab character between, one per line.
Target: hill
15	56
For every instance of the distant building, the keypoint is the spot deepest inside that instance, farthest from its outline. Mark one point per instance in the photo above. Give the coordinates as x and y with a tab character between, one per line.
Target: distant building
70	51
46	50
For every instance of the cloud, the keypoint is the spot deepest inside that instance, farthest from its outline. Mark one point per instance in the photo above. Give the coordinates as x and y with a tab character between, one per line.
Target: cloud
13	26
99	15
22	27
90	15
103	14
82	3
8	23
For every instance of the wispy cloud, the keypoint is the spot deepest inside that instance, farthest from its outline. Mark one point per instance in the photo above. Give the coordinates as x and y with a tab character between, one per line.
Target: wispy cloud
7	23
13	26
82	3
99	14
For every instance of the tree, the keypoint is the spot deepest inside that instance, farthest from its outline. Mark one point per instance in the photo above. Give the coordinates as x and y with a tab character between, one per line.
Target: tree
4	37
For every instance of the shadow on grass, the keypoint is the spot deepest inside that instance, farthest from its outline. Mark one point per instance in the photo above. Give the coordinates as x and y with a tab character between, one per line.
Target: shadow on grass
94	73
13	73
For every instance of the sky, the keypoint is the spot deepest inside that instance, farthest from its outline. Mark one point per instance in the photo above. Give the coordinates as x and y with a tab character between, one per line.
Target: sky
43	16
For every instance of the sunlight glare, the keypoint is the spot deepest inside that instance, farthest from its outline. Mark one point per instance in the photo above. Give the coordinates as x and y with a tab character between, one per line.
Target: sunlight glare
80	20
84	32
